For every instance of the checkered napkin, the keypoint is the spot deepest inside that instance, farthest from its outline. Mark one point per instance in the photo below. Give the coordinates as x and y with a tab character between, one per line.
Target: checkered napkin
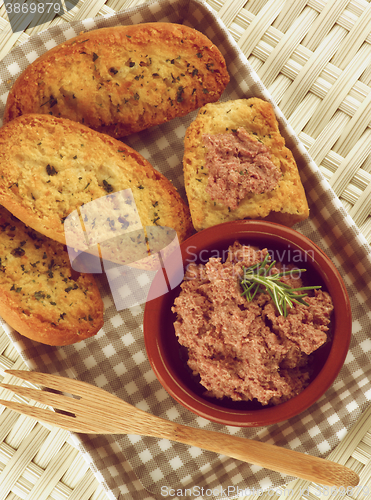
141	467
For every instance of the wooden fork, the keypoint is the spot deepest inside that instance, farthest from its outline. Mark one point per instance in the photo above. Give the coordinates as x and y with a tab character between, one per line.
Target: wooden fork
95	411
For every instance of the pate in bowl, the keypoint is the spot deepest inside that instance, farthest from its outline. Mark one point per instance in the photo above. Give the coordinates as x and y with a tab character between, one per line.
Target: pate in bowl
225	347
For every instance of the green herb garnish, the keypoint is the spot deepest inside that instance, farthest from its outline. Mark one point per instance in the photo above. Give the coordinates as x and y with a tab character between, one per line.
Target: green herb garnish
257	278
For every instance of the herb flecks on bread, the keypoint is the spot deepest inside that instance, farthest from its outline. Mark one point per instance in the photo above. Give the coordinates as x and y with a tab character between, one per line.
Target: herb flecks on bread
40	295
283	202
123	79
50	167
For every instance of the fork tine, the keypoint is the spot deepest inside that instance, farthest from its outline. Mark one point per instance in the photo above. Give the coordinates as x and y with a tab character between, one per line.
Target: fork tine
48	398
47	416
85	391
51	381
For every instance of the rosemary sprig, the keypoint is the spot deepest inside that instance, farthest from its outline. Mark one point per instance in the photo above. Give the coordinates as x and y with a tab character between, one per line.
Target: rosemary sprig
257	278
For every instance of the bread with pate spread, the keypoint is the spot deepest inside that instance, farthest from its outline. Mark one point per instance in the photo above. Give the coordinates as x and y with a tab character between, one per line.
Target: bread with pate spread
236	166
41	297
123	79
52	168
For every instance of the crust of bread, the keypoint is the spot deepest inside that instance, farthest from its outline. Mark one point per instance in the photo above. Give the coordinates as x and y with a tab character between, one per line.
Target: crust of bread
41	297
122	79
50	167
286	204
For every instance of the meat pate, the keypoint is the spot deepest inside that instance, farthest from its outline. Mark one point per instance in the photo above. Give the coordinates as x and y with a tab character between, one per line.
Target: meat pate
245	350
238	164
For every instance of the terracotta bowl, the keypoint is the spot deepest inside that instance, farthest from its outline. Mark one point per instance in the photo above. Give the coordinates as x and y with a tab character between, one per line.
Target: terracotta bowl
169	359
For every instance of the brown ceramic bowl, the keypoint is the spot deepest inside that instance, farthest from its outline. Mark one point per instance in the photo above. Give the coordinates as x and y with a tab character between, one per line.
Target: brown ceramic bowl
169	359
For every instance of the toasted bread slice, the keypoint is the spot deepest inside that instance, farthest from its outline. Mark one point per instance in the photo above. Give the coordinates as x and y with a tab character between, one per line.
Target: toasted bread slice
53	167
214	199
40	295
122	79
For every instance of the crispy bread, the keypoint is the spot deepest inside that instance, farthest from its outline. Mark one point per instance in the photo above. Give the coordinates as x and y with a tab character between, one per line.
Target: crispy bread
40	295
51	167
285	204
123	79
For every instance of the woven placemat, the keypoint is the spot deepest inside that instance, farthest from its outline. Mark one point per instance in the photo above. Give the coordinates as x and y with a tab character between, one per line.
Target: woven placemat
313	56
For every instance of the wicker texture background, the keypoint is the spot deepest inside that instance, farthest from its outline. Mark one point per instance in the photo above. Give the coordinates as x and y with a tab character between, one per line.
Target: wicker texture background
315	59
